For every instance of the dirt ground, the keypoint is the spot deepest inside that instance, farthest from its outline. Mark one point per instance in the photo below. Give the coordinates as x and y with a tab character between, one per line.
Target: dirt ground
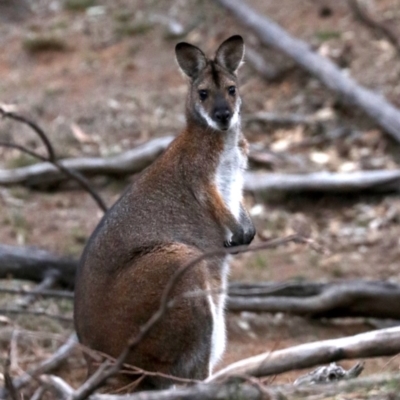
100	77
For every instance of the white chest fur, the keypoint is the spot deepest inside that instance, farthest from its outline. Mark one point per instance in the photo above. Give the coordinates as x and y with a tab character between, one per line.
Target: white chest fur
229	182
217	307
229	174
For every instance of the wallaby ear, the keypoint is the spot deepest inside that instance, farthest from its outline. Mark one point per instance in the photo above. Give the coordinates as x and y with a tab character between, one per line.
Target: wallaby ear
230	53
190	59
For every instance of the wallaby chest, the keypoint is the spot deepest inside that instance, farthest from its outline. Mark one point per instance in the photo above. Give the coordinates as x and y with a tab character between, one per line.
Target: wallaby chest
229	174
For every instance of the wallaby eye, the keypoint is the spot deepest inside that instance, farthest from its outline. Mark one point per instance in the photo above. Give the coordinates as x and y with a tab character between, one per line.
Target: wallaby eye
203	94
232	90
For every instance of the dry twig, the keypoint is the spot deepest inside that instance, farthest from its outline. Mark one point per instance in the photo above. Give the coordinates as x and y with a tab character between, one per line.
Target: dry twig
62	294
51	156
47	365
49	281
271	34
37	313
377	181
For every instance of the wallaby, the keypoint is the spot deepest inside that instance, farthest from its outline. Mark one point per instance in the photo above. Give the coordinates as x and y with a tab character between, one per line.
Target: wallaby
187	203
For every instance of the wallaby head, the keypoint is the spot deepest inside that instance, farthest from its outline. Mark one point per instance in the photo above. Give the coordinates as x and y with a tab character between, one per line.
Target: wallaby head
213	98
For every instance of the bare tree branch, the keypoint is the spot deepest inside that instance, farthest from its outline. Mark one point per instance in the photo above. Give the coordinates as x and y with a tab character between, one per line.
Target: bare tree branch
384	342
8	382
63	390
284	119
63	294
76	176
377	181
38	313
49	281
271	34
338	299
129	162
352	298
34	264
381	385
380	181
49	364
46	366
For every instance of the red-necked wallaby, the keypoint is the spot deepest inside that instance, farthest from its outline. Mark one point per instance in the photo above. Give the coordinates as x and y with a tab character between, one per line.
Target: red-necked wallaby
188	202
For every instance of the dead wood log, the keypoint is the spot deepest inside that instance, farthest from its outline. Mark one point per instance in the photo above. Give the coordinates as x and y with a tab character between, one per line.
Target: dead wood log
379	343
271	34
285	119
35	264
328	300
384	386
199	392
129	162
313	299
377	181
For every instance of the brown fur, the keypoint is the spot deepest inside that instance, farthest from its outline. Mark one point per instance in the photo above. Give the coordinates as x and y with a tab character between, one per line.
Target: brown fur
171	214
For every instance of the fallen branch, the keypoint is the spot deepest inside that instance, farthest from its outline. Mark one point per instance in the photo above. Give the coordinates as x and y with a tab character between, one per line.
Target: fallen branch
325	300
271	34
199	392
34	264
62	294
284	119
377	181
379	343
48	281
383	385
37	313
135	160
338	299
129	162
49	364
46	366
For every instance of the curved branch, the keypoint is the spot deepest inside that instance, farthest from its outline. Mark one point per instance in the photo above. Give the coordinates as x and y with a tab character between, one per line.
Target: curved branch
271	34
82	181
35	127
331	300
129	162
383	342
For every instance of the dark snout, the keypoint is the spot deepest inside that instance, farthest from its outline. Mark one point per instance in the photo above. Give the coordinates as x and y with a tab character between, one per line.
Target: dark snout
222	114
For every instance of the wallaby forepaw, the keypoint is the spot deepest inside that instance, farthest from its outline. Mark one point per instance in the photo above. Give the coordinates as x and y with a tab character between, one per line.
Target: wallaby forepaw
249	235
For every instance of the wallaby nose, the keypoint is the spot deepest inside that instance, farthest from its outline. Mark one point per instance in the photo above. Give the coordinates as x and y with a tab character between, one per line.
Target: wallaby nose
222	115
